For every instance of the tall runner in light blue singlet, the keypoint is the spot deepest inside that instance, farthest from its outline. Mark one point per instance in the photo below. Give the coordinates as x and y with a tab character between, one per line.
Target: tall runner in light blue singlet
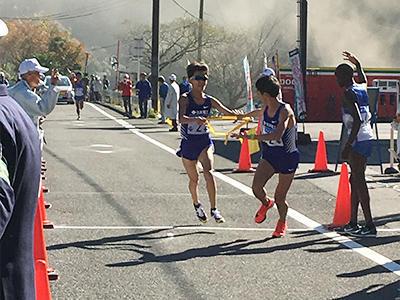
279	151
356	117
196	144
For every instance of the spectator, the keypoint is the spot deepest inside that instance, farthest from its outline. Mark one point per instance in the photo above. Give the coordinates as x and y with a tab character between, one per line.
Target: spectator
19	182
97	88
3	79
185	86
106	88
125	86
172	102
163	91
143	90
24	91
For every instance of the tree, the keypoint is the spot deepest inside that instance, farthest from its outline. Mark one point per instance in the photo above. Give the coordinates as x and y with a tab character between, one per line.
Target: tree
178	39
46	40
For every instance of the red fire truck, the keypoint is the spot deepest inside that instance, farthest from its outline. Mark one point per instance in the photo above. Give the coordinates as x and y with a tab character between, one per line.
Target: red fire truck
324	97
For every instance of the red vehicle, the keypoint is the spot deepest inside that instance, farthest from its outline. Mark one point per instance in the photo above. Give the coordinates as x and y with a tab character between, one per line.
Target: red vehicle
324	96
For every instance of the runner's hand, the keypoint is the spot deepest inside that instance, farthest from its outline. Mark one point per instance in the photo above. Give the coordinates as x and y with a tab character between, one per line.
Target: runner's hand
351	57
200	120
55	76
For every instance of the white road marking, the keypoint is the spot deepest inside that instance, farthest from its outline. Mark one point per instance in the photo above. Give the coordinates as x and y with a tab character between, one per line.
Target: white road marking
177	227
309	223
199	227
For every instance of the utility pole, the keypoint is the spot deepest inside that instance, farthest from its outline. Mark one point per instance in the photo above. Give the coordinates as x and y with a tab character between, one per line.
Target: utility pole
117	66
303	16
155	53
200	33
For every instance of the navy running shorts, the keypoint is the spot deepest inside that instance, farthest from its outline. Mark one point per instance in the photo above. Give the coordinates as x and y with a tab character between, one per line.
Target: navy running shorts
285	163
191	149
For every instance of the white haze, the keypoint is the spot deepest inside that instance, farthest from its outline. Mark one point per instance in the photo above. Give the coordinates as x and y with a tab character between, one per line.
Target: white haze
368	28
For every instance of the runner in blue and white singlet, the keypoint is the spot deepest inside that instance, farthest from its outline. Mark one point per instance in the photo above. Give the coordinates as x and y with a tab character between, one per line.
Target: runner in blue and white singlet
356	119
196	144
363	141
195	137
281	154
279	151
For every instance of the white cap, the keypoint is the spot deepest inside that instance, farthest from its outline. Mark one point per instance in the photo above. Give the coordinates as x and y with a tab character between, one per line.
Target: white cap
172	77
3	28
268	72
29	65
126	76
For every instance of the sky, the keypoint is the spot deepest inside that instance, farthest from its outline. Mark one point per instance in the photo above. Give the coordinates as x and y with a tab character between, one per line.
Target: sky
369	28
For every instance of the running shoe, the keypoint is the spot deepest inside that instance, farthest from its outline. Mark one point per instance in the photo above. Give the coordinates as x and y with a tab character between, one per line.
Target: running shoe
348	229
262	211
78	118
365	231
216	214
200	212
280	229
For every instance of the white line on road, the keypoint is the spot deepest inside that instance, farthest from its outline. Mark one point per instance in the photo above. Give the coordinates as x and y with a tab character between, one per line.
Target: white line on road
199	227
309	223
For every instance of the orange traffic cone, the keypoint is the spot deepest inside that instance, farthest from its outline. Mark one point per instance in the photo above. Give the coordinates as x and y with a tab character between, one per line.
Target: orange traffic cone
46	223
39	244
244	158
42	281
343	200
321	161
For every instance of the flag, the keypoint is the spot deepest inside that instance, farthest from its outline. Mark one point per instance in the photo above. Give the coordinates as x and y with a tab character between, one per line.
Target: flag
247	77
299	101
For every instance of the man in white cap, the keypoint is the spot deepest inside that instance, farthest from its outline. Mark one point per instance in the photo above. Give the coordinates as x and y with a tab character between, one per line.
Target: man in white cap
171	102
24	91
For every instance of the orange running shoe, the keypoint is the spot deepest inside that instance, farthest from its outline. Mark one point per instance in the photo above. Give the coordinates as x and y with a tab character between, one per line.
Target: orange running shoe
262	211
280	229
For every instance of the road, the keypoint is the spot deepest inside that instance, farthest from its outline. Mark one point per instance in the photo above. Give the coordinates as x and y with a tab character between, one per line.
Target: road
126	228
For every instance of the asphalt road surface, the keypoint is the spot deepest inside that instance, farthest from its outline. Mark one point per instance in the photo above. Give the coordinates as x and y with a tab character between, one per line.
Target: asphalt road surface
126	228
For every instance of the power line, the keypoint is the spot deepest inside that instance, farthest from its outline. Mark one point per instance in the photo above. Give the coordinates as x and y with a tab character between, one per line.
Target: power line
184	9
85	12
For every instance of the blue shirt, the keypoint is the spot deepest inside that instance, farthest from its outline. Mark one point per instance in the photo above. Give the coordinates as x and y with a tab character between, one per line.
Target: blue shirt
33	104
20	148
144	88
185	87
163	90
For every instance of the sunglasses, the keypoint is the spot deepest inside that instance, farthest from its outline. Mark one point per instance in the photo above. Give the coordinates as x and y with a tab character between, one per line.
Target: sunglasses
201	77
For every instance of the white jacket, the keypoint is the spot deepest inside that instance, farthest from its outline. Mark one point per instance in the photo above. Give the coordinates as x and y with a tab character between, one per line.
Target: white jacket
172	101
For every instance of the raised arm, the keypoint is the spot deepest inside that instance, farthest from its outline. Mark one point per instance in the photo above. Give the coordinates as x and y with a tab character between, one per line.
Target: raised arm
362	78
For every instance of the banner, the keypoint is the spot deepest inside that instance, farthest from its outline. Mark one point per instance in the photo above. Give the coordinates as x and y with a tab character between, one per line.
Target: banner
299	101
247	78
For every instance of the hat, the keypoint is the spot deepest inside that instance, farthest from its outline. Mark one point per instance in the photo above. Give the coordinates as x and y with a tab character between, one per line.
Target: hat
125	76
161	78
268	72
3	28
172	77
29	65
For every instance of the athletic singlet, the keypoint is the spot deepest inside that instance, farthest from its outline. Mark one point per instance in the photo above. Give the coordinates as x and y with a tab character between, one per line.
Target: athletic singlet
79	89
287	144
365	133
192	130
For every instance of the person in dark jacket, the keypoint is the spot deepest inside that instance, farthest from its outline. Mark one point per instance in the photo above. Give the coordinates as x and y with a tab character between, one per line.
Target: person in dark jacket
19	187
163	91
143	90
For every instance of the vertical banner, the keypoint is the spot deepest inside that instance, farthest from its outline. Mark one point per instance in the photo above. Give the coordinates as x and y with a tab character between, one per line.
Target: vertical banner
247	78
299	101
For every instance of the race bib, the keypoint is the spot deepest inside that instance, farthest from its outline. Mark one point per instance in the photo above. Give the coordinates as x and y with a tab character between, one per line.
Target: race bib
196	129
